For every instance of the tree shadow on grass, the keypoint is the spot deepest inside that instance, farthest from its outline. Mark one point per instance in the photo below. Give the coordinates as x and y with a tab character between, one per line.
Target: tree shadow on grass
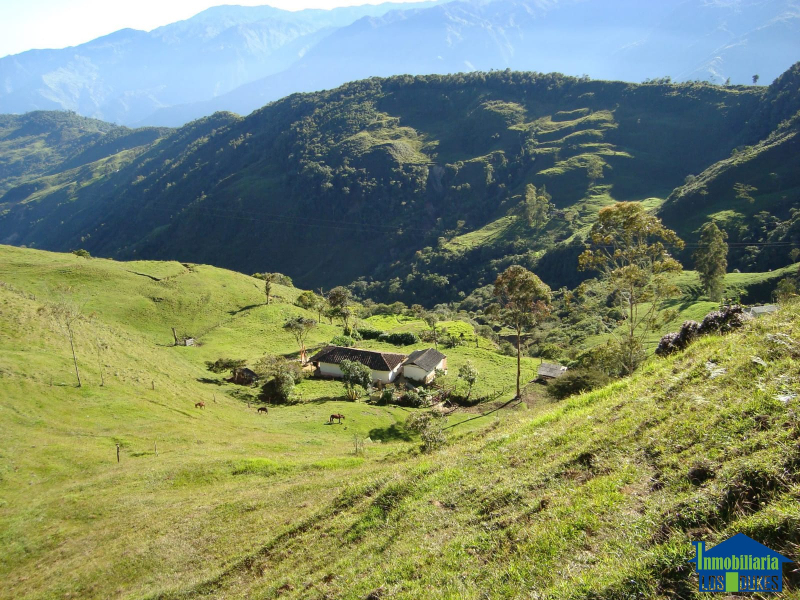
212	381
393	433
245	308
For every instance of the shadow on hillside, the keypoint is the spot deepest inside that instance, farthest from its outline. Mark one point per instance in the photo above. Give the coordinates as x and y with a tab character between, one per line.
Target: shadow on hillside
245	308
393	433
211	381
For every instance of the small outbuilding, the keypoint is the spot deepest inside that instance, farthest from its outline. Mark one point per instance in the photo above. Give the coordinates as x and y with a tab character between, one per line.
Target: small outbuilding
243	376
421	365
549	371
760	311
385	366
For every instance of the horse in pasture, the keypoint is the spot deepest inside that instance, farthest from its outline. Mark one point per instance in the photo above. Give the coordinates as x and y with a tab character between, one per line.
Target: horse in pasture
262	409
200	404
339	417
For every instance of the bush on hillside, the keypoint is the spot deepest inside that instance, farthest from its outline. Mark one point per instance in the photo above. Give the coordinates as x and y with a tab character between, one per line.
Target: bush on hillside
368	333
387	396
575	382
343	340
411	399
405	338
223	365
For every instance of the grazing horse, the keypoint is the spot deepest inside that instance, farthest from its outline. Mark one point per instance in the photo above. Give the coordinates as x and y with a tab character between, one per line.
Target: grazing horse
200	405
262	409
339	417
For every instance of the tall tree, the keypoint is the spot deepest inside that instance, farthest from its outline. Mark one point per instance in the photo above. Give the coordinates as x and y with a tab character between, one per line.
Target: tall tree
269	279
469	374
300	327
711	260
432	320
627	247
537	206
522	301
339	302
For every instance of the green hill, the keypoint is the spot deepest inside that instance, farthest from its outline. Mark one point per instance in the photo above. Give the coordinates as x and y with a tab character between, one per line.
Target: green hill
414	184
598	496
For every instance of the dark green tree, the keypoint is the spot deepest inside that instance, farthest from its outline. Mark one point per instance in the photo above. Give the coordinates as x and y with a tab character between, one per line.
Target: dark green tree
710	260
339	299
355	375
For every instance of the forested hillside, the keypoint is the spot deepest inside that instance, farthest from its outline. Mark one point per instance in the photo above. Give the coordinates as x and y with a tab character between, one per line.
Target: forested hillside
426	187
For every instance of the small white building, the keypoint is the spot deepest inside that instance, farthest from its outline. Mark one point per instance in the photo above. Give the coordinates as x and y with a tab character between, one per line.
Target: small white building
760	311
421	365
385	366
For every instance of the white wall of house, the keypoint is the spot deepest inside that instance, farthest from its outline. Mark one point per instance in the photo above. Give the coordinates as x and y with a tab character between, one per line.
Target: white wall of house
416	373
331	370
386	376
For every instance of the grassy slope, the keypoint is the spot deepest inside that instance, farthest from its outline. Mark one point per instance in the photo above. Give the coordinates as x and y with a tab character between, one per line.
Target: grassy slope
586	499
225	481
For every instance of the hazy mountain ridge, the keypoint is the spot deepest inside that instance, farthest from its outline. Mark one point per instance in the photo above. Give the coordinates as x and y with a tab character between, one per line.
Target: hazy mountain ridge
240	58
126	75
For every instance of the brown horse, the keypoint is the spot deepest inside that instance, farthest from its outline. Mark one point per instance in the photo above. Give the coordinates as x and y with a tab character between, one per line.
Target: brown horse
339	417
262	409
200	405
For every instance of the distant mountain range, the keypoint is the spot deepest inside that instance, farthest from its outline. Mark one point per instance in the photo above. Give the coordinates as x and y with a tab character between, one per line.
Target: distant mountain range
240	58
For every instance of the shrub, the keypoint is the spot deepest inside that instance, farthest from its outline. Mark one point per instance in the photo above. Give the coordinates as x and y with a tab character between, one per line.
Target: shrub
507	349
222	365
368	333
430	427
343	340
307	300
411	399
82	253
405	338
279	389
576	381
387	396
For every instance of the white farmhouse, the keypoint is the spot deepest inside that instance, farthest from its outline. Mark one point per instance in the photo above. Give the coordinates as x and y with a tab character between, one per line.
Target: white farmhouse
421	365
385	366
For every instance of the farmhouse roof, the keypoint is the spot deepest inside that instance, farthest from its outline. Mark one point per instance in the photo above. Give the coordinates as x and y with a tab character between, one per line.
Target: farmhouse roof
550	370
425	359
377	361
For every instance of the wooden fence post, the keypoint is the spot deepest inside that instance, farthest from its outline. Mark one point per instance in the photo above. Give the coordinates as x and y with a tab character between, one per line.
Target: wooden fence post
117	452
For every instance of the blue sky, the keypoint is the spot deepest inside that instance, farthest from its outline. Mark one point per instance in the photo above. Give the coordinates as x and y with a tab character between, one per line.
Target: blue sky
28	24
